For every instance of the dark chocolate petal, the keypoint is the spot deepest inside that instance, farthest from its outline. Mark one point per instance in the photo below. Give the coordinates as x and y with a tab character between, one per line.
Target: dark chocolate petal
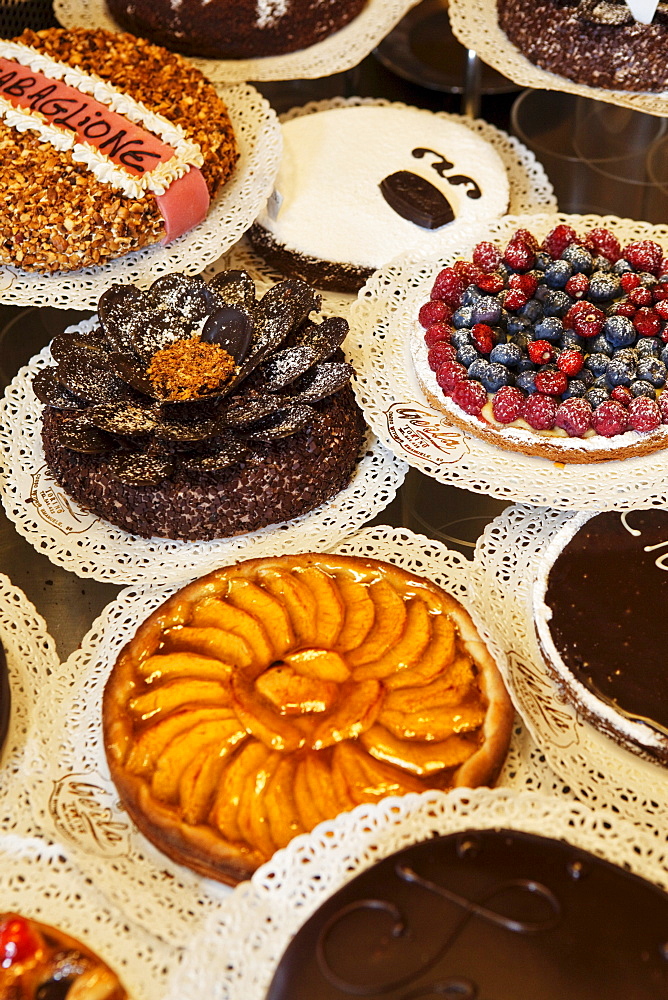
182	295
138	469
283	367
232	329
113	308
416	199
185	430
63	344
89	380
230	453
131	371
282	308
251	409
126	419
324	337
235	288
48	390
323	380
158	328
84	438
286	422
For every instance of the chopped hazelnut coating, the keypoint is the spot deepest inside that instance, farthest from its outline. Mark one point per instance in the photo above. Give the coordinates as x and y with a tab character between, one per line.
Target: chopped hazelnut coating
188	369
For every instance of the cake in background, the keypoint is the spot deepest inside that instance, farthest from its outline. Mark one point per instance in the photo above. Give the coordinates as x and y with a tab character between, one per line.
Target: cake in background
235	29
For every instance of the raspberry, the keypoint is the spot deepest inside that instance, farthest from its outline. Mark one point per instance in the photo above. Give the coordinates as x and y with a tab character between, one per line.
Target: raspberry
432	312
540	411
574	417
585	319
621	394
662	403
558	239
570	361
551	383
609	418
449	287
640	296
514	299
604	243
438	332
662	308
540	351
486	256
508	403
449	374
624	308
663	266
468	271
644	255
471	396
483	337
439	354
519	256
629	280
644	414
577	286
647	323
524	236
527	283
660	291
490	283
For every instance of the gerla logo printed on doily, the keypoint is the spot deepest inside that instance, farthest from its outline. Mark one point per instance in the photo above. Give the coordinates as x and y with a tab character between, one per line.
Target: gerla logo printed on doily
425	434
53	505
82	810
542	704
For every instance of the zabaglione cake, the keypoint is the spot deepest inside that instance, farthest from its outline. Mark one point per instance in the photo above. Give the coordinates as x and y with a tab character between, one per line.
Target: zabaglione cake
556	348
360	184
40	962
108	144
596	42
495	914
276	693
196	411
235	29
599	598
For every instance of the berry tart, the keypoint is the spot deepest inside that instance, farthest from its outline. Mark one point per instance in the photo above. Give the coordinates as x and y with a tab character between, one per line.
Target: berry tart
557	349
598	603
39	962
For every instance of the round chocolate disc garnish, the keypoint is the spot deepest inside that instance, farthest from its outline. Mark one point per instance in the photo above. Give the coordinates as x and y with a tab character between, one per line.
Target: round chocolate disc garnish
416	199
140	470
48	390
230	327
83	438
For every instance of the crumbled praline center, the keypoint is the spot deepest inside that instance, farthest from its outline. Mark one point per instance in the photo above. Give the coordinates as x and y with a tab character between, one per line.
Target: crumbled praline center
190	369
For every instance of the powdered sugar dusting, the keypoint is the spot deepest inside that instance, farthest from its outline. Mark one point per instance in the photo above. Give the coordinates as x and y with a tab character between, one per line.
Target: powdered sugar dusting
270	11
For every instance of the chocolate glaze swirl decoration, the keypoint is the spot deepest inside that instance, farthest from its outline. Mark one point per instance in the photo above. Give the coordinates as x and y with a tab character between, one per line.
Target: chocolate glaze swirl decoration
483	915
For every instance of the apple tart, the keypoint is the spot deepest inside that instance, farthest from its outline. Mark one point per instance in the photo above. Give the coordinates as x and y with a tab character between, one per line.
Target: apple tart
276	693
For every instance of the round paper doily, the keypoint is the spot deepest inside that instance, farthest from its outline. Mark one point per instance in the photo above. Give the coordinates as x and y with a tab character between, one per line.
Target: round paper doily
32	662
260	144
530	190
38	880
237	954
90	547
382	320
76	801
341	51
475	24
597	770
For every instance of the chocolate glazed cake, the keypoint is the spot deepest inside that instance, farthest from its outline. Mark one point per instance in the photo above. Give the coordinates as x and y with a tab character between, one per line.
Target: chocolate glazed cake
595	42
484	915
196	411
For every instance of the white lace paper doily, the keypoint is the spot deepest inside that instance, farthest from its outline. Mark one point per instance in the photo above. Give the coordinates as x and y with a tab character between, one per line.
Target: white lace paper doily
593	766
32	663
341	51
387	389
258	133
238	952
38	880
475	25
530	190
75	800
79	541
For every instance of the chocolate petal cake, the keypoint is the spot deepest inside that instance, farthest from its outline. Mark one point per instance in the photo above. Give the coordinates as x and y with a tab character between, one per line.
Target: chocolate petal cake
195	411
599	608
492	914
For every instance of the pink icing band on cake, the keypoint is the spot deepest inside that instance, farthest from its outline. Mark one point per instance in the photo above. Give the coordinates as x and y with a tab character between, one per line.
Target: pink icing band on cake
185	202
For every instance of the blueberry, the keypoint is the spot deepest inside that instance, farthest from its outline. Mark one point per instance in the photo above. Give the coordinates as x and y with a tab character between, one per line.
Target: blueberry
471	295
495	376
576	387
596	396
549	328
556	303
647	280
526	365
542	292
664	355
558	273
467	354
579	258
603	287
517	325
460	337
621	266
627	354
531	310
463	316
586	376
543	260
602	264
487	310
526	381
642	388
649	347
506	354
570	338
599	345
597	364
478	368
653	371
619	331
600	383
619	373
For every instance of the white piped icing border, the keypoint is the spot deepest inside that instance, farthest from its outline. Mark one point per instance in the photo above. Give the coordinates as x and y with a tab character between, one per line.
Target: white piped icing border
187	153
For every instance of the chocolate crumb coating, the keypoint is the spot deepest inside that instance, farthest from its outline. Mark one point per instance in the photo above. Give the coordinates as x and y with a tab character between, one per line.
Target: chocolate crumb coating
327	274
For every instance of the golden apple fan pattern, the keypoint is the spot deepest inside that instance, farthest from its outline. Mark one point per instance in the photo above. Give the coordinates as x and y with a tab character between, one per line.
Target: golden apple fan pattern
276	693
